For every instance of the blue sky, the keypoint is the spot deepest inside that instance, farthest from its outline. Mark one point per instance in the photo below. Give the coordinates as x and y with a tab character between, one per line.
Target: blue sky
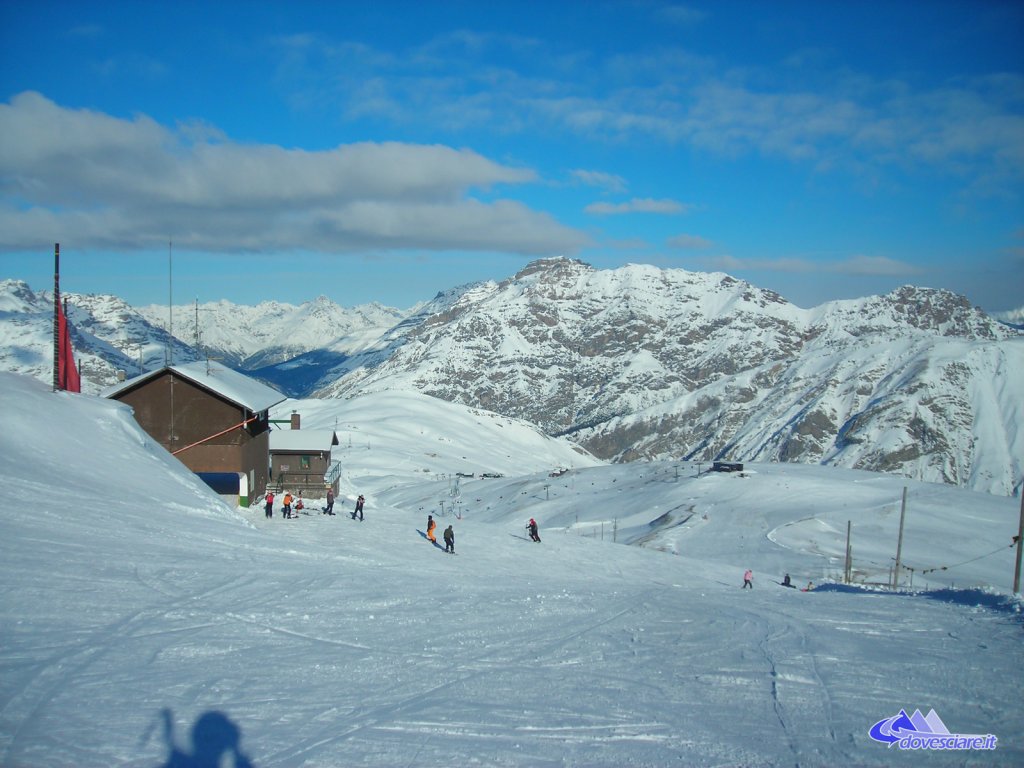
386	151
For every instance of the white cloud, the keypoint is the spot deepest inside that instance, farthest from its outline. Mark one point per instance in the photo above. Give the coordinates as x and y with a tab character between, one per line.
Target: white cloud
828	117
608	181
102	181
689	242
638	205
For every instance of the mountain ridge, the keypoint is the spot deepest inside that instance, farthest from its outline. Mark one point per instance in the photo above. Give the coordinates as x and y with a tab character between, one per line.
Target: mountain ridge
647	363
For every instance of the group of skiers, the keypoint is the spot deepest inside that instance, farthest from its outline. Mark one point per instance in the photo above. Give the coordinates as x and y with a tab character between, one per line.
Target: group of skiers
449	532
449	535
287	510
291	506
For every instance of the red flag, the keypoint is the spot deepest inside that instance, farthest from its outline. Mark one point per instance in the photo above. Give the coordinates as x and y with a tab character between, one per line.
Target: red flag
67	371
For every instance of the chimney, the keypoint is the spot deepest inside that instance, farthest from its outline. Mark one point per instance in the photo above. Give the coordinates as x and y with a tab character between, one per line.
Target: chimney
295	419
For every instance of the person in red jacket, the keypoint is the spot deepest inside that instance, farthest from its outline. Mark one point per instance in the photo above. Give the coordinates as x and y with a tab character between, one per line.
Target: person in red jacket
532	528
269	509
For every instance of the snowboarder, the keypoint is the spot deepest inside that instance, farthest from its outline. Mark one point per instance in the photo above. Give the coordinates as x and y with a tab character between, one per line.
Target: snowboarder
287	508
359	508
809	587
449	540
431	525
786	582
329	509
269	509
532	528
748	579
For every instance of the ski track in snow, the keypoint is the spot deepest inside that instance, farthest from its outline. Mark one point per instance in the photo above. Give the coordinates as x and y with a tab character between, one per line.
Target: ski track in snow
334	643
56	672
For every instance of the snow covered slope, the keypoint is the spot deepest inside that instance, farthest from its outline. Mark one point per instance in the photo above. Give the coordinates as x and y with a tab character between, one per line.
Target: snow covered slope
144	623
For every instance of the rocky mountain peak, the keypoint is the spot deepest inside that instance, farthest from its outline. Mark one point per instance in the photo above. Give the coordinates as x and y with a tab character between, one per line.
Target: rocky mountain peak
16	296
942	311
554	268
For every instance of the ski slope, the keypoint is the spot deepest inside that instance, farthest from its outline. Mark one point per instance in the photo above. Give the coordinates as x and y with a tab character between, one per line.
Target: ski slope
140	611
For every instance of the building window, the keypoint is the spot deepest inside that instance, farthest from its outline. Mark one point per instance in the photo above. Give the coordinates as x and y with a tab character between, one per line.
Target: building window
304	462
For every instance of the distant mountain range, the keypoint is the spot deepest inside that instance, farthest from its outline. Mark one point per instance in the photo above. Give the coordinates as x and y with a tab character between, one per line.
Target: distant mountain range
632	363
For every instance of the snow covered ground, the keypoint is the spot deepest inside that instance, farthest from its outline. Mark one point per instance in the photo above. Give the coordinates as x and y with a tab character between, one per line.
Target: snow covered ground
144	623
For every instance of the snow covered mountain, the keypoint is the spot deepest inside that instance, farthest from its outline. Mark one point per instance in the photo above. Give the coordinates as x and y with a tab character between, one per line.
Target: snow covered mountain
1014	317
108	335
641	362
271	332
632	363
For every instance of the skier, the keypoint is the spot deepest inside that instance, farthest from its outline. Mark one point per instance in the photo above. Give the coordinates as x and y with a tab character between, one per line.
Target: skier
449	540
270	504
329	509
748	579
532	528
431	525
359	508
287	508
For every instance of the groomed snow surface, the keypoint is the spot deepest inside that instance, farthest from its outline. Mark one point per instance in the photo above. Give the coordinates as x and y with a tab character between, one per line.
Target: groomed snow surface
145	623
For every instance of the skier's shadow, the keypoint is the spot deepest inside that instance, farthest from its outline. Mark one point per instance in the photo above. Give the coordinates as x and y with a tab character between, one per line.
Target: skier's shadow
424	535
214	736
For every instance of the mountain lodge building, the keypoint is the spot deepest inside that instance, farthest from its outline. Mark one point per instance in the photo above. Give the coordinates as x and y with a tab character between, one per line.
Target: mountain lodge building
300	460
215	420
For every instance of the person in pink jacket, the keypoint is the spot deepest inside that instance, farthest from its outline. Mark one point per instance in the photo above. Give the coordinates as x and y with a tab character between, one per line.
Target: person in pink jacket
748	579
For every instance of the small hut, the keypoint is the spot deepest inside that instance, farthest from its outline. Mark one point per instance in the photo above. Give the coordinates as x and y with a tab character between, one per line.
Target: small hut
300	460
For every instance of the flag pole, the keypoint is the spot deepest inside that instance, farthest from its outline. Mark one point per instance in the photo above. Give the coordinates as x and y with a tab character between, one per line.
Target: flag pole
56	316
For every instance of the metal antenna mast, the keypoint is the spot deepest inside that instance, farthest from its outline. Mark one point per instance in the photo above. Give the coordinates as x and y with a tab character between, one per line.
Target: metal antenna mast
170	306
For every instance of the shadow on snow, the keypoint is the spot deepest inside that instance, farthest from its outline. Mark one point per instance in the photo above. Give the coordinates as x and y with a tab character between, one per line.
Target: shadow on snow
969	598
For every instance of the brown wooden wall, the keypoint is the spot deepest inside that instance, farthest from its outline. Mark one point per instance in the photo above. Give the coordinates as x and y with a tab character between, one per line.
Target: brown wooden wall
310	481
176	413
319	462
